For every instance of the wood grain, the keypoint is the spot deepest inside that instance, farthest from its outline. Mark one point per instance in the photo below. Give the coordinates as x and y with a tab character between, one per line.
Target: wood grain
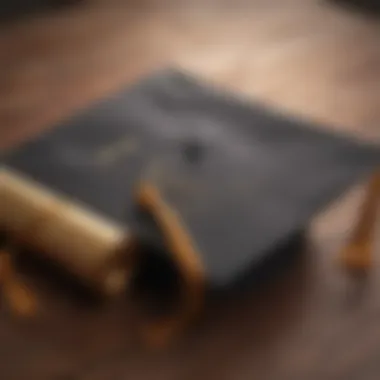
303	56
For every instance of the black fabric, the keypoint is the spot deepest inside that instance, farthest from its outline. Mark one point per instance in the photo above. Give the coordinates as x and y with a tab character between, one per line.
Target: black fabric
11	10
367	7
244	179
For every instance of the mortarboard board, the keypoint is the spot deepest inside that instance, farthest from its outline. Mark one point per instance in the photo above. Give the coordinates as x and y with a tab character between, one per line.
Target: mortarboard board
242	180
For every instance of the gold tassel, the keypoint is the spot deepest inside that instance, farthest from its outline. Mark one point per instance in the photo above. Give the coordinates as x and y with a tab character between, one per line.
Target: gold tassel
357	255
19	298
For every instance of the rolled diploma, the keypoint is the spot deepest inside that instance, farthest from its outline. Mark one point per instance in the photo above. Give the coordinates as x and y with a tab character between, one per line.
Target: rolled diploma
86	244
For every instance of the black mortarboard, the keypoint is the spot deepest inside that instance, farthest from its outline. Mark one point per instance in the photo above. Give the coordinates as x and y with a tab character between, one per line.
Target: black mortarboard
243	179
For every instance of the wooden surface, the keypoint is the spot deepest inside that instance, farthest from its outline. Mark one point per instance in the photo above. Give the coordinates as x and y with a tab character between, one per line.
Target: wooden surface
302	56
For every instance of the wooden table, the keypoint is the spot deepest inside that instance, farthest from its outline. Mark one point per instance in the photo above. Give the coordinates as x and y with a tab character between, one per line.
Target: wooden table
313	321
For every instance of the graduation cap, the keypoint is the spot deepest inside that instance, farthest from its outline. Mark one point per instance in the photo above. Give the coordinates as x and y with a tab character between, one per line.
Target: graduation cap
214	186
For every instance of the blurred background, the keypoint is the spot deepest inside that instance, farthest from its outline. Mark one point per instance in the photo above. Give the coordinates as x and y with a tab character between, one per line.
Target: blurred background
315	58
